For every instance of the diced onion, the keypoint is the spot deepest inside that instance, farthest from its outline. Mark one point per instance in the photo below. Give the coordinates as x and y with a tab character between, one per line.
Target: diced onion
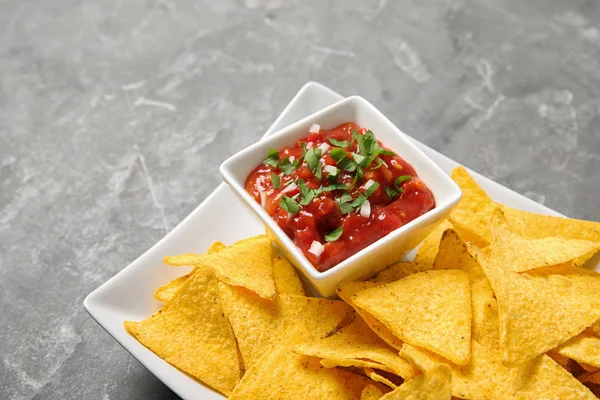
263	199
324	147
330	169
289	188
315	128
369	183
292	158
365	209
316	248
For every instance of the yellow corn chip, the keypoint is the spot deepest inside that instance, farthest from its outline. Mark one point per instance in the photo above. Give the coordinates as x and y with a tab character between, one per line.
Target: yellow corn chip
434	384
472	214
257	323
583	348
485	377
455	254
429	248
430	309
400	270
596	327
371	392
286	279
282	374
542	309
377	377
540	226
423	360
357	345
166	292
191	333
519	254
347	290
247	263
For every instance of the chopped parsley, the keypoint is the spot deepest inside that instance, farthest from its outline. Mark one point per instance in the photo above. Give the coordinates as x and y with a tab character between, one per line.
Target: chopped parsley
371	189
312	159
338	143
276	181
334	235
272	159
289	205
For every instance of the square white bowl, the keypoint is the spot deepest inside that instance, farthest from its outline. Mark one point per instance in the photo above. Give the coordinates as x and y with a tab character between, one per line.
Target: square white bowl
384	251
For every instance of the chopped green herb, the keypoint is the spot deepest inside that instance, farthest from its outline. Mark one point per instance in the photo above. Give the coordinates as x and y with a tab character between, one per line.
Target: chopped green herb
294	197
342	160
346	208
345	198
335	235
386	152
379	164
289	205
335	186
303	149
312	159
391	192
362	161
338	143
276	181
272	159
399	181
358	201
287	167
371	189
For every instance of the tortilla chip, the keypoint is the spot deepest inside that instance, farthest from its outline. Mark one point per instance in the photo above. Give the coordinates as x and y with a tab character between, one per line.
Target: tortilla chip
166	292
542	309
485	377
423	360
258	323
540	226
347	290
520	254
357	345
283	374
472	214
247	263
399	271
378	377
583	348
455	254
434	384
371	392
286	278
596	327
191	333
429	248
430	309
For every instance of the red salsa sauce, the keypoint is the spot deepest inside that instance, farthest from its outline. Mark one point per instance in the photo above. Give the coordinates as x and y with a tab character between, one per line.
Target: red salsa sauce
337	191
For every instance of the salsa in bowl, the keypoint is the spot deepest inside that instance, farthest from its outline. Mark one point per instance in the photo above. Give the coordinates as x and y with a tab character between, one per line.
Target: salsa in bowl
334	192
343	192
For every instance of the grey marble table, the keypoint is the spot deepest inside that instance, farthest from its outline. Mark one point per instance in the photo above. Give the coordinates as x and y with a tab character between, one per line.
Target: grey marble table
114	117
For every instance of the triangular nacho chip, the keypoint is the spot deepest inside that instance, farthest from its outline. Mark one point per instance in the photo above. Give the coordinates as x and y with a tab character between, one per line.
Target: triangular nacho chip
583	348
429	248
454	253
286	278
347	290
166	292
520	254
400	271
434	384
472	214
542	309
430	309
191	333
282	374
539	226
247	263
258	323
356	342
377	376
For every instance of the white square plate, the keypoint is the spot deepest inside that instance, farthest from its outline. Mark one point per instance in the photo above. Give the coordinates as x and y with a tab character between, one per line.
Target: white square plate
129	294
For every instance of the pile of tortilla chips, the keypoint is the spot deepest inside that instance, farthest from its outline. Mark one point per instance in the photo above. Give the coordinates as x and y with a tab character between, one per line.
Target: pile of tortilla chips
498	304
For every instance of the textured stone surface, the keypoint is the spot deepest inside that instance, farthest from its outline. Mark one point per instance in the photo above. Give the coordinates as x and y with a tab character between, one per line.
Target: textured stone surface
115	115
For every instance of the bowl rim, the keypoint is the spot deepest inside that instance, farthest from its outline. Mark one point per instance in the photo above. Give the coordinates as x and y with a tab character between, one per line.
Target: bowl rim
449	197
